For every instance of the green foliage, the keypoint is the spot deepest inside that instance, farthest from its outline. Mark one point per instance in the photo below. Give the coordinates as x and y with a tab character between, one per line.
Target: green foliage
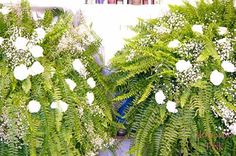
147	64
83	128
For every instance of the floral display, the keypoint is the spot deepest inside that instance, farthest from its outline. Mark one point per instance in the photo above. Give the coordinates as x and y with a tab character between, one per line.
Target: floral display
181	77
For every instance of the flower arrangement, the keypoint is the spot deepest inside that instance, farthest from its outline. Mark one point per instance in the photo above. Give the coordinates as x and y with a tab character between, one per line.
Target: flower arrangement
180	70
53	96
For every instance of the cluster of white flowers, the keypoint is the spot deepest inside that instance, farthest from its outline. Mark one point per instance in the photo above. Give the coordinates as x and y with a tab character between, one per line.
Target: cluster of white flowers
160	99
148	40
191	49
224	48
161	29
5	10
80	68
130	56
176	21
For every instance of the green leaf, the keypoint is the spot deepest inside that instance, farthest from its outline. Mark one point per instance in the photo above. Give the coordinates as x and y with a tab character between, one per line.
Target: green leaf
26	85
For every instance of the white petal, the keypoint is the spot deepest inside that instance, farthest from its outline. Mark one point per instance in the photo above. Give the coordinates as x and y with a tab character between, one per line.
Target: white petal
160	97
222	30
197	28
228	66
171	107
36	51
36	69
34	106
21	72
183	65
216	78
71	84
90	98
1	40
174	44
21	43
91	82
40	33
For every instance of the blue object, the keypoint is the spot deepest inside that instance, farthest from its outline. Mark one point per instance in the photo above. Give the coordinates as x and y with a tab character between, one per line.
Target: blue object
124	106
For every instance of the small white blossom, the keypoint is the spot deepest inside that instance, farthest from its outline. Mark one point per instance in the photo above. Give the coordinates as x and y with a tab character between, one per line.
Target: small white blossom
36	69
160	97
34	106
91	82
1	40
197	28
216	78
232	128
71	84
171	107
40	33
228	66
21	72
21	43
36	51
222	30
90	98
183	65
174	44
208	1
5	10
79	67
60	105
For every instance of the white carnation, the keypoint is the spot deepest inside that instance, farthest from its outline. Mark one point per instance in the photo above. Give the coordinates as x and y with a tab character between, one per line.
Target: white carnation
5	10
21	43
228	66
71	84
160	97
222	30
79	67
197	28
90	98
36	69
91	82
216	78
232	128
40	33
183	65
1	40
174	44
34	106
171	107
21	72
36	51
60	105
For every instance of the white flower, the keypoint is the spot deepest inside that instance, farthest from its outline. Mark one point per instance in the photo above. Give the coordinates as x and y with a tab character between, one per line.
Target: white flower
91	82
90	98
171	107
222	30
21	43
197	28
232	128
60	105
21	72
71	84
174	44
5	10
79	67
160	97
40	33
216	78
36	51
208	1
228	66
1	40
36	69
183	65
34	106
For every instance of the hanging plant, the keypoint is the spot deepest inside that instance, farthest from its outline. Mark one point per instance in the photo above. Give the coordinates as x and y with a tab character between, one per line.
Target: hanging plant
53	95
180	71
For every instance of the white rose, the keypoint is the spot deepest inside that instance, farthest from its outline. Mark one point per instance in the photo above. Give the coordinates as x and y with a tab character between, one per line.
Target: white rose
1	40
60	105
222	30
90	98
71	84
174	44
216	78
160	97
228	66
91	82
183	65
232	128
34	106
171	107
36	51
21	72
21	43
40	33
5	10
36	69
79	67
197	28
